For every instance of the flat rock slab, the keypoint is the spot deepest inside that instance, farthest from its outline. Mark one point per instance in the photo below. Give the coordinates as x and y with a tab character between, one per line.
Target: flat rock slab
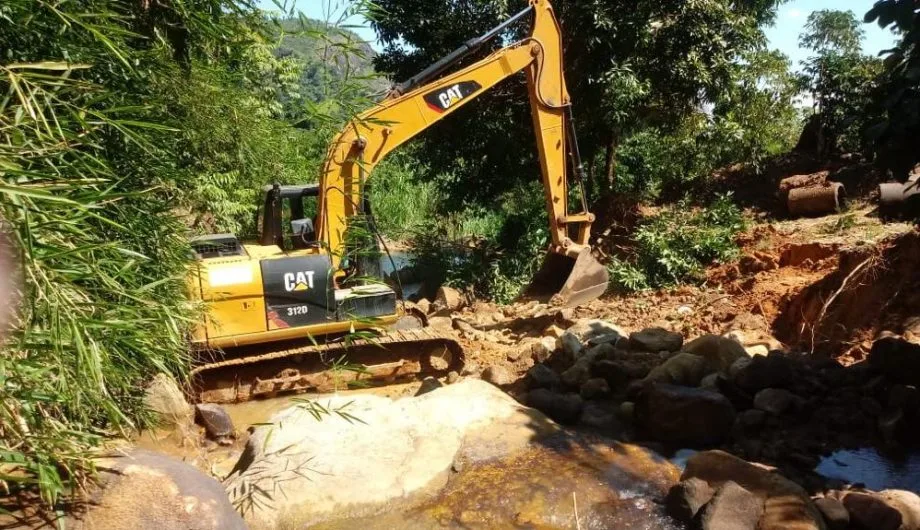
374	453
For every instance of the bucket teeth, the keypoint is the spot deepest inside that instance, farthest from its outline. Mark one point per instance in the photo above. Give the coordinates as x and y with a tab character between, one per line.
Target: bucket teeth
569	282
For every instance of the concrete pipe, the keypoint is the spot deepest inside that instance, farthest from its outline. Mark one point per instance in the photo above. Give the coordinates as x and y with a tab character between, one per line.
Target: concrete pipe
817	200
896	199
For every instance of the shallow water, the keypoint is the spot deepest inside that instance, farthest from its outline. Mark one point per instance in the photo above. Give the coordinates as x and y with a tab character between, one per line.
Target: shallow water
877	471
570	483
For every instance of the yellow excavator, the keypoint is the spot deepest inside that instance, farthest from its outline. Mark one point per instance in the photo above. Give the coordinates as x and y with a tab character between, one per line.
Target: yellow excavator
289	313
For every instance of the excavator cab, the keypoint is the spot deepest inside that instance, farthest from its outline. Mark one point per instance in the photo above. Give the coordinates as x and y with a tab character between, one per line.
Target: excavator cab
286	217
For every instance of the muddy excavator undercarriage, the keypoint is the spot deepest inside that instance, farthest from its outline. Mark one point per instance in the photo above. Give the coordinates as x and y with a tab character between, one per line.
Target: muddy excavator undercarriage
296	310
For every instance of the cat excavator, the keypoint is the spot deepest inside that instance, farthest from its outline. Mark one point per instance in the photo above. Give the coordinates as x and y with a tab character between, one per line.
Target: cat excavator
293	312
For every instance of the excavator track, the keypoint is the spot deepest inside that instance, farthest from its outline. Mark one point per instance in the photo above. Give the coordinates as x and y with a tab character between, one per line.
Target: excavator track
247	373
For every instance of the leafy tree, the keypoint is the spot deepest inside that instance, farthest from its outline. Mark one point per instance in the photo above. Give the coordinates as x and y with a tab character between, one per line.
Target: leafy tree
898	129
829	30
841	80
629	65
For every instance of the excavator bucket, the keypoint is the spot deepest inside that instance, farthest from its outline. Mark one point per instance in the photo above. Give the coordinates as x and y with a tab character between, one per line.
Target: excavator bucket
568	281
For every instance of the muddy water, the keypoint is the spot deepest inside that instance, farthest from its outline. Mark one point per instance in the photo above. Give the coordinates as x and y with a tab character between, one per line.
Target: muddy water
566	483
870	467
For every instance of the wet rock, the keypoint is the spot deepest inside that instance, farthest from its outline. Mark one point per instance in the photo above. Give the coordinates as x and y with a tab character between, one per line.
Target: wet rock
217	423
498	375
149	491
903	396
542	376
571	345
563	408
752	419
732	508
870	406
710	382
686	498
687	417
656	340
786	504
835	514
164	398
683	369
302	471
627	411
772	371
719	352
619	373
897	359
428	384
599	416
869	512
774	400
594	388
737	366
578	373
893	426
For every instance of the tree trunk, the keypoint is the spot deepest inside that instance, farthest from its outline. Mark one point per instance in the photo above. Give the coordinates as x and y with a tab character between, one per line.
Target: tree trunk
610	164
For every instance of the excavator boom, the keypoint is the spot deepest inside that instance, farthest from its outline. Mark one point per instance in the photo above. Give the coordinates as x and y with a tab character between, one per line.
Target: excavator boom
570	275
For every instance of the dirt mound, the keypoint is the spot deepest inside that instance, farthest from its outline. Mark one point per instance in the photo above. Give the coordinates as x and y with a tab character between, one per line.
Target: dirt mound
874	288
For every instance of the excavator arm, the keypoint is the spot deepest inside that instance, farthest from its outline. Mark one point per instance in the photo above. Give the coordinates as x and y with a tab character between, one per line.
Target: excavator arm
570	272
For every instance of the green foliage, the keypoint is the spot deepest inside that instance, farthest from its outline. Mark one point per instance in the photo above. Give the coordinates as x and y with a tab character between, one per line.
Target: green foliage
841	79
629	66
122	124
455	252
828	30
895	133
677	244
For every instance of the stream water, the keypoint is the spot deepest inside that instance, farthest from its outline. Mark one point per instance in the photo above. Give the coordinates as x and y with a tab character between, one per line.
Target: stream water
560	485
876	470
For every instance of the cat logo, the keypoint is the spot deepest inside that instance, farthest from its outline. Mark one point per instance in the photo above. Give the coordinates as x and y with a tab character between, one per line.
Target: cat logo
447	97
300	281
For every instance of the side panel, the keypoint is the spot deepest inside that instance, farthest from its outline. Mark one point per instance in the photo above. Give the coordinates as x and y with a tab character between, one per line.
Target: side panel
233	292
297	291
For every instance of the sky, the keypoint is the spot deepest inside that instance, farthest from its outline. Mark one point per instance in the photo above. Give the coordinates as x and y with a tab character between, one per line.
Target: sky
791	17
784	35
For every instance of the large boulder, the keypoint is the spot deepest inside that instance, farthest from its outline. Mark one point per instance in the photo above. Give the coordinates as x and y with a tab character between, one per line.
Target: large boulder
732	508
684	369
885	510
773	371
655	340
787	505
774	400
686	498
143	490
719	352
683	416
564	408
372	453
897	359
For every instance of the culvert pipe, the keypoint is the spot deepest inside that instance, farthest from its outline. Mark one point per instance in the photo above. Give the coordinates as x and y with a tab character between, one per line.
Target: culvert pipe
896	199
817	200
